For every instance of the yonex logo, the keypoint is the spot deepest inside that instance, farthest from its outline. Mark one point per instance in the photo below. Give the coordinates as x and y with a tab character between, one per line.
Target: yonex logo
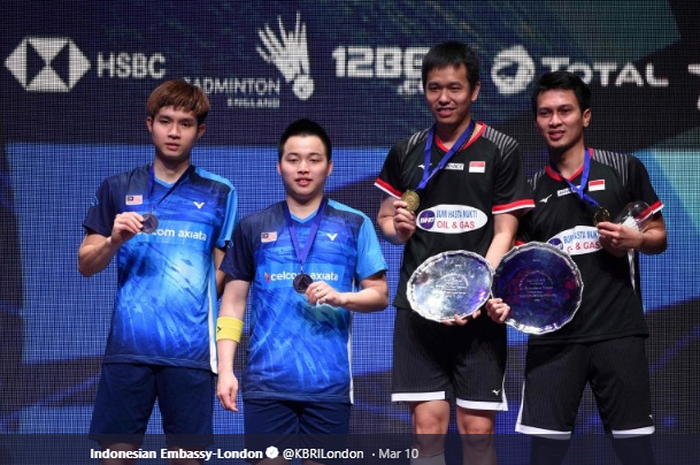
63	64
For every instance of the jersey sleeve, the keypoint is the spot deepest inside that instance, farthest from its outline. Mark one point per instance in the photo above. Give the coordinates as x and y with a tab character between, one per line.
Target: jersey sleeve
389	179
370	259
230	219
641	187
100	216
511	189
238	261
523	236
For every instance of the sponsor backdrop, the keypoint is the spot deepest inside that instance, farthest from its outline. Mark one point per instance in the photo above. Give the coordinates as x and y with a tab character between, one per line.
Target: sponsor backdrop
75	77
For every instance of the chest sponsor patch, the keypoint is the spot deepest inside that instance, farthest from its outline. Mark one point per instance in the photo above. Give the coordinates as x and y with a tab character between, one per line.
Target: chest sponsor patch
451	219
477	166
455	166
563	192
577	241
596	185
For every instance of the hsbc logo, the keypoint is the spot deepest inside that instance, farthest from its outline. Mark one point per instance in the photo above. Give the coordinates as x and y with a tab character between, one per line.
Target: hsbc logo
56	64
63	64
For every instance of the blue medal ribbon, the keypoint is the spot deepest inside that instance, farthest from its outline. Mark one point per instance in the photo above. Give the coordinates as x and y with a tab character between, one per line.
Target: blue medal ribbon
315	223
427	173
152	181
580	190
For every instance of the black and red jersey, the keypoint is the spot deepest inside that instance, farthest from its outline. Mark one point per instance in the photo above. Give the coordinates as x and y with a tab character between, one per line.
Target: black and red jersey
484	178
611	306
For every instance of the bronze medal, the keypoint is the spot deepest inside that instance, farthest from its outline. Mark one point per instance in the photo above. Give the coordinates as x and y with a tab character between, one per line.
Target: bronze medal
412	200
301	282
150	223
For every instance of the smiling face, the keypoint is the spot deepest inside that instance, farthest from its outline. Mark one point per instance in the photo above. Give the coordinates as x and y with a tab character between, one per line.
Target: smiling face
449	97
174	133
304	167
560	121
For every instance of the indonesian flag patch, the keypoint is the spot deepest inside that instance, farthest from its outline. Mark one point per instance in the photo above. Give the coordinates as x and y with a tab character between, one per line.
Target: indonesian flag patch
477	166
596	185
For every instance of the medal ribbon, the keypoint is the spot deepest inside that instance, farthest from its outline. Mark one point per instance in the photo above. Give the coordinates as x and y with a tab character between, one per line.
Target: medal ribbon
315	223
587	199
152	181
427	173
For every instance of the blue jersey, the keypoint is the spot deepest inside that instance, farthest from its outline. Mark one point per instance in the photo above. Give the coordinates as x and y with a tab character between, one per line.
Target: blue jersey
166	301
299	351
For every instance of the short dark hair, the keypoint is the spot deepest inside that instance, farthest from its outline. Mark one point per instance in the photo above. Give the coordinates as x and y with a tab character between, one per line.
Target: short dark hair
562	80
181	95
304	127
452	53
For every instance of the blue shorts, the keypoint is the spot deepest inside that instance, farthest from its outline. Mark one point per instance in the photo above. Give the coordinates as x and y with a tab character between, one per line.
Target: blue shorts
126	396
293	424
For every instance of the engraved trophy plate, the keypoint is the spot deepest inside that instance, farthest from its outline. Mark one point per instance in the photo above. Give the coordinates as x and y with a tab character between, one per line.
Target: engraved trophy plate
541	284
449	283
635	215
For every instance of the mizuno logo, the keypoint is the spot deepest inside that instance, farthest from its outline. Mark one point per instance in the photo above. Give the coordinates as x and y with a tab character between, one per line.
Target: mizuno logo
546	199
332	236
199	205
496	391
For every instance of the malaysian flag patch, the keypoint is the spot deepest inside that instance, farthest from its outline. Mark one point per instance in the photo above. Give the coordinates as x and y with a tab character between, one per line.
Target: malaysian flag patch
134	199
268	237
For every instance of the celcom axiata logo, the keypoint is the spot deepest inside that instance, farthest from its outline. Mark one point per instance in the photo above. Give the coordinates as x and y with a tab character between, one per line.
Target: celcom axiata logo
290	54
54	52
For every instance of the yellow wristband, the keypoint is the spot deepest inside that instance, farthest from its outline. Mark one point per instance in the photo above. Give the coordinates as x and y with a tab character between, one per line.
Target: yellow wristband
229	328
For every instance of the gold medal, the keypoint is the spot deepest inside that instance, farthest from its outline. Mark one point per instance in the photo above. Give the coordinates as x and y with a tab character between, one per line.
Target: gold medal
412	200
600	215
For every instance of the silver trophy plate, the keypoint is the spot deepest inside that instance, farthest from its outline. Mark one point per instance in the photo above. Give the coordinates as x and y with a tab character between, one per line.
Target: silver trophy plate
454	282
635	215
541	284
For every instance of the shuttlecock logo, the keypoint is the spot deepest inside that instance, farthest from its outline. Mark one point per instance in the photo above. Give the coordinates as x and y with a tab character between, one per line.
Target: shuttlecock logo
289	53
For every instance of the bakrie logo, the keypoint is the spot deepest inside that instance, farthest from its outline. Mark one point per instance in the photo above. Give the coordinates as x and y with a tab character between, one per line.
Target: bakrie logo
290	54
55	52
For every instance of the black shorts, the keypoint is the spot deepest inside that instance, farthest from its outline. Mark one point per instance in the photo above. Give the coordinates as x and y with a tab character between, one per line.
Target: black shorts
437	362
556	375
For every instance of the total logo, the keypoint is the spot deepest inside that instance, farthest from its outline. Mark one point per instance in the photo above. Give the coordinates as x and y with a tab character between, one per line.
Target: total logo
514	69
56	64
